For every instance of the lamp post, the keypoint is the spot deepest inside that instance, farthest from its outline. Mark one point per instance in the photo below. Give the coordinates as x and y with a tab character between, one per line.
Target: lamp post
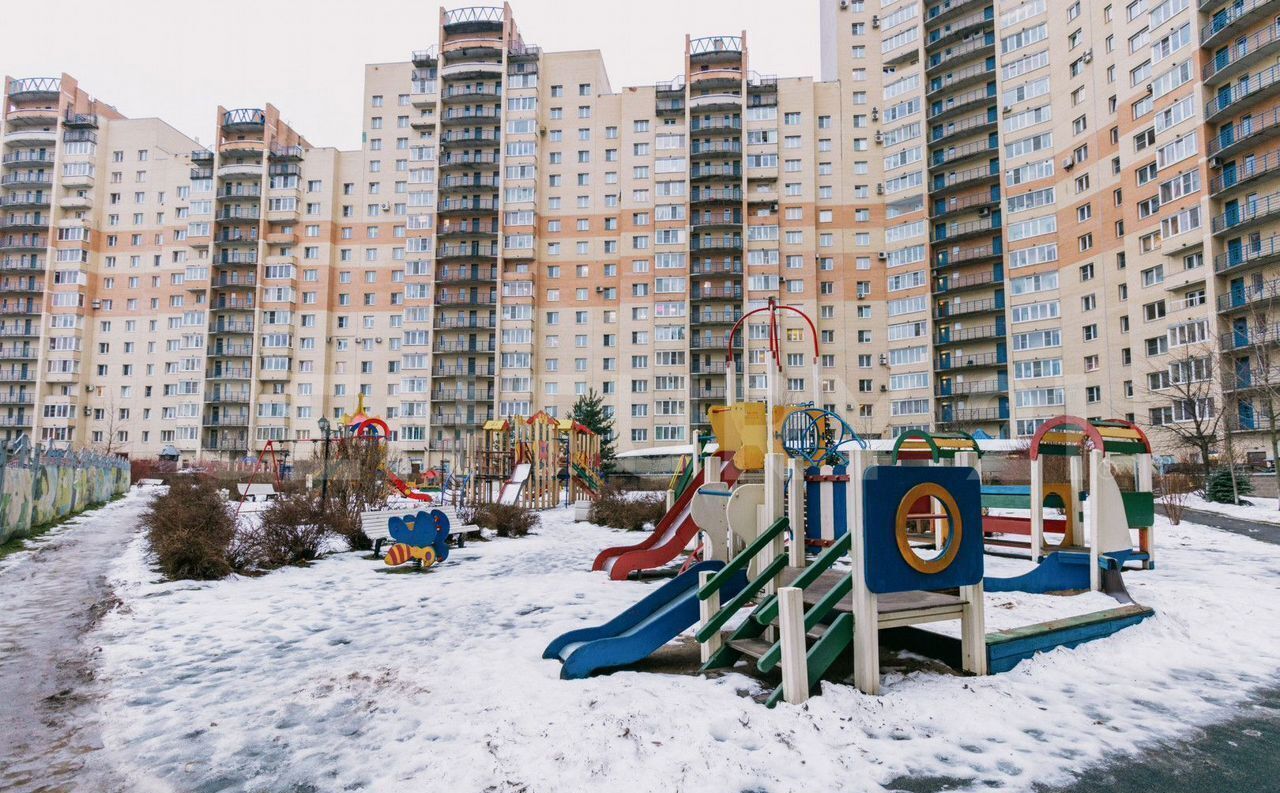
324	471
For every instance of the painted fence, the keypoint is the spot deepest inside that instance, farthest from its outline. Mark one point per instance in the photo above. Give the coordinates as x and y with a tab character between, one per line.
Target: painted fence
37	486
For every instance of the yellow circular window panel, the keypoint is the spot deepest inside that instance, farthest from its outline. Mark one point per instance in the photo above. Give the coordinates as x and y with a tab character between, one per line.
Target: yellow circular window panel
929	491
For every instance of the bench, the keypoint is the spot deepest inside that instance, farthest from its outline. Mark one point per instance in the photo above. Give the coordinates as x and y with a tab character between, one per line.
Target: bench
150	482
374	523
257	492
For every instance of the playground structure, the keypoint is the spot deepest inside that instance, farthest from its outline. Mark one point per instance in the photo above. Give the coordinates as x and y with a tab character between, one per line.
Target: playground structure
533	461
913	532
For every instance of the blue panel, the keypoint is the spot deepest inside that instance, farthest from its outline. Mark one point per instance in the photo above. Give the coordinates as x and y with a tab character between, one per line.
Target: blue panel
883	490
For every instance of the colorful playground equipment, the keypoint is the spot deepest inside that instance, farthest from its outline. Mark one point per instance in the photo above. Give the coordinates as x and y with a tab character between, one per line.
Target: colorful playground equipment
913	534
423	538
533	462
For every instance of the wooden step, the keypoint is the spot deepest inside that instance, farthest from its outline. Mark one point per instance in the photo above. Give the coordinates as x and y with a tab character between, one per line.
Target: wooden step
753	648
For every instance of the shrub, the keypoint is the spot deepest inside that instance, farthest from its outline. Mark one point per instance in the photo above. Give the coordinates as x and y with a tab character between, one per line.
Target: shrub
1174	489
506	520
291	532
192	532
1219	488
617	509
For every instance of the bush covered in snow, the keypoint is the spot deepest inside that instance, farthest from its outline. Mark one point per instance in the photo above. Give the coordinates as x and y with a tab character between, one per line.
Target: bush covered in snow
292	530
506	520
631	512
192	531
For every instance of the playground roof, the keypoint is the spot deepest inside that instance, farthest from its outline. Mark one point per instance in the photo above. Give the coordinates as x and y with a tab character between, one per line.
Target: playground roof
1070	436
921	445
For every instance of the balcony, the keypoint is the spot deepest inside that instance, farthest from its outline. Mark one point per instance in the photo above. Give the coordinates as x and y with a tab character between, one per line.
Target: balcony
951	155
280	153
202	156
485	229
948	388
21	264
966	178
954	81
26	242
941	109
960	53
464	346
479	323
1240	296
466	93
1256	87
1242	337
236	258
722	101
710	317
231	169
716	195
21	420
958	28
444	298
18	398
468	115
244	303
12	375
473	68
718	148
1238	57
469	160
460	395
456	275
228	396
704	292
28	179
17	352
958	283
466	183
24	221
1246	134
245	119
480	370
229	373
19	330
1233	175
712	267
28	200
704	171
946	334
472	19
226	280
232	350
710	242
27	157
958	416
469	137
715	367
961	308
32	136
666	107
233	191
460	206
708	220
239	215
950	232
229	237
956	255
35	88
467	252
724	123
425	57
1226	22
1250	213
240	420
229	327
227	444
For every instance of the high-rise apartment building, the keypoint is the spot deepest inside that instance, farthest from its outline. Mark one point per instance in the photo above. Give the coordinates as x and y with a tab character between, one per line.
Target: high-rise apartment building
995	212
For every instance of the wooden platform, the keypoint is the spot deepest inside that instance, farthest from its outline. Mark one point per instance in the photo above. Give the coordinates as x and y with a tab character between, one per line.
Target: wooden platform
899	608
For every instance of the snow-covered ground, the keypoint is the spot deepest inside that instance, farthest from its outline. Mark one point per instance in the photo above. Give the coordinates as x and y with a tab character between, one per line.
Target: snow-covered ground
343	676
1262	510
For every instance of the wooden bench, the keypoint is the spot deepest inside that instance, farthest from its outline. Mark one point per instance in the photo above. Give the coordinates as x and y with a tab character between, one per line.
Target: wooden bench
150	482
374	523
257	492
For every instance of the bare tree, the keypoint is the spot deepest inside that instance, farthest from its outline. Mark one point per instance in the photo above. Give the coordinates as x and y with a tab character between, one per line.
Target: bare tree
1254	373
1186	392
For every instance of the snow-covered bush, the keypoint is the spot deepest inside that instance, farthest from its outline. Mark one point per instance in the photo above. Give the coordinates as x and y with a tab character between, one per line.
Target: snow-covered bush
191	530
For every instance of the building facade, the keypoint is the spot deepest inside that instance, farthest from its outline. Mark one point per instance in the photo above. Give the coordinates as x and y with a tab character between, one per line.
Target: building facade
994	212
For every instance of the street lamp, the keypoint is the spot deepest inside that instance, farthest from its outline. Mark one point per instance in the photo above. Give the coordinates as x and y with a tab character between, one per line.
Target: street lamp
324	472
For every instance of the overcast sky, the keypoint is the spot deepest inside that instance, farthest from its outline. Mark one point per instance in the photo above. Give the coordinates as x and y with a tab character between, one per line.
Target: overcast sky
180	60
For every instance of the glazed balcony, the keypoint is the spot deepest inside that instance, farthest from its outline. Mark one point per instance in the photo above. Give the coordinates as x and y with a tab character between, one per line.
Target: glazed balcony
960	53
470	93
967	308
1239	296
1244	94
943	157
469	137
946	284
244	119
940	33
945	334
456	115
705	149
716	195
716	49
957	256
446	252
969	177
1246	254
1234	175
1249	213
459	275
466	206
1226	22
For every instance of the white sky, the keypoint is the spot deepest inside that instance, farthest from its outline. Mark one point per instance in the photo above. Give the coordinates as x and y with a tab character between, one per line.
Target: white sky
178	60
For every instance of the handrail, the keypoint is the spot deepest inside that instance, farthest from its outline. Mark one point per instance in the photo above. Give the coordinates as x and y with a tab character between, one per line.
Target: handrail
740	561
769	610
742	598
812	618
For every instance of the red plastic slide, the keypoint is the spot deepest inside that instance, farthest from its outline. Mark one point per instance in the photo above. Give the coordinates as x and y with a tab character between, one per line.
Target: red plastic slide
404	489
668	539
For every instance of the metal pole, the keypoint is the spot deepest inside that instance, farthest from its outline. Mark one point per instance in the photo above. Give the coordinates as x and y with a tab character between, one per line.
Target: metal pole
324	473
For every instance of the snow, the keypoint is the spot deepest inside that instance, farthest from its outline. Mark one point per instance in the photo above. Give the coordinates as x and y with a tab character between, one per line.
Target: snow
1262	510
343	676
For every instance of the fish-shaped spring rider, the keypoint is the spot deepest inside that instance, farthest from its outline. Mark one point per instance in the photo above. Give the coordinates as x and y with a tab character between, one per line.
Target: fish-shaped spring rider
424	537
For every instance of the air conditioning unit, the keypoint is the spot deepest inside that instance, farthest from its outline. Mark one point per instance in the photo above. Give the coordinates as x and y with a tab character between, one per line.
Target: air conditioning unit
1151	88
875	21
884	359
1088	56
329	340
883	388
984	211
879	136
89	389
879	188
1007	109
599	289
882	255
1215	162
378	340
861	296
88	411
844	3
1068	164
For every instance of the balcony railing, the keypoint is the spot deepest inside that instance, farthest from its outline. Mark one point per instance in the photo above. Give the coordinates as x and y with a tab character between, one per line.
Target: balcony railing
708	194
719	147
244	117
949	335
959	77
472	92
709	242
715	45
960	52
961	308
968	176
20	87
465	322
467	205
23	156
972	387
1233	17
481	370
954	256
1250	211
973	415
467	251
1241	53
1263	83
1239	296
473	15
1264	124
1239	338
941	108
1234	174
467	182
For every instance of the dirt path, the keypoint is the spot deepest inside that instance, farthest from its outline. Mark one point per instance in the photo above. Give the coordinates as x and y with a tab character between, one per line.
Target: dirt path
50	597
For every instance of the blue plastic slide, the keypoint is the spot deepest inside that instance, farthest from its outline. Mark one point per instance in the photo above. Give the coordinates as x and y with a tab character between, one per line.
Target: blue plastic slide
640	630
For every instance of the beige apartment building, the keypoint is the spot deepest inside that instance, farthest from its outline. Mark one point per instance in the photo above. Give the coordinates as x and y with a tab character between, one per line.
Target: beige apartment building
995	212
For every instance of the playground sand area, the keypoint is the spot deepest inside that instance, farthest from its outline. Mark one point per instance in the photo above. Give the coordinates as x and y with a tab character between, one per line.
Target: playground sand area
333	677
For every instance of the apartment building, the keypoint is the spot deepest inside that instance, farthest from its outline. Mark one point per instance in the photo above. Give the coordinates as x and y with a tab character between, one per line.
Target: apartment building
994	212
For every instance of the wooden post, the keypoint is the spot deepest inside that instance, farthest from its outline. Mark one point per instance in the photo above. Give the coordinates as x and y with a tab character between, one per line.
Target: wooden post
706	610
866	628
973	630
795	666
1146	537
1076	468
1094	516
795	513
1037	508
695	458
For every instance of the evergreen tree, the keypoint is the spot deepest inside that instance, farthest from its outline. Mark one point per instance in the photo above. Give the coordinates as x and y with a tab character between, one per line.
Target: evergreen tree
1219	489
589	411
